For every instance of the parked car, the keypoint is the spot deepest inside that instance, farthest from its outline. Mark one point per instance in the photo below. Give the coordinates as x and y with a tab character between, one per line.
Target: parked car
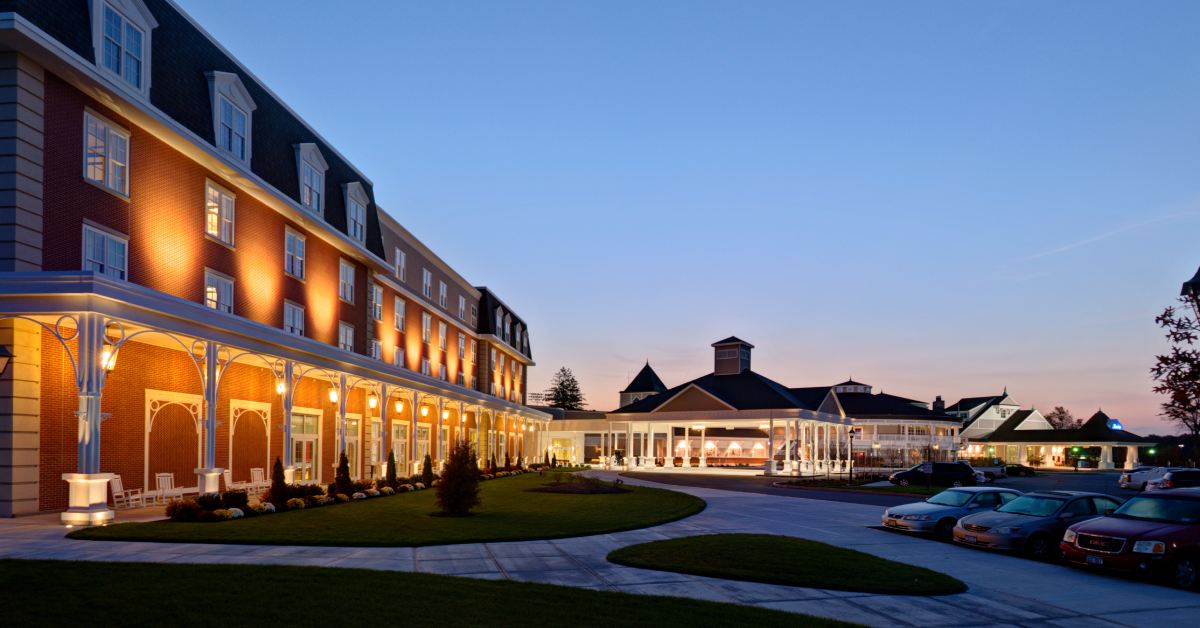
1181	478
1152	533
1019	470
944	474
1032	523
1139	477
938	514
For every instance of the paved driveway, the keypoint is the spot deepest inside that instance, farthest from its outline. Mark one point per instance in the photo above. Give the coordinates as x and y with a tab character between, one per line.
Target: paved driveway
1003	590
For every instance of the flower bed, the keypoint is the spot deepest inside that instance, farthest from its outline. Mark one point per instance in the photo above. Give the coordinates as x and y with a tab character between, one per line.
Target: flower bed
235	503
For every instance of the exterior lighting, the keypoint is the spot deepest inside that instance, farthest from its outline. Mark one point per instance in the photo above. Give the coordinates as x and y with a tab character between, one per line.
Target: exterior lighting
6	356
698	426
333	396
424	410
764	426
1151	451
399	407
372	401
108	359
445	414
280	387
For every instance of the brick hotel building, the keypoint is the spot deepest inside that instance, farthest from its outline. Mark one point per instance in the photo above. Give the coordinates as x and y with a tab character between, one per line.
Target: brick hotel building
193	282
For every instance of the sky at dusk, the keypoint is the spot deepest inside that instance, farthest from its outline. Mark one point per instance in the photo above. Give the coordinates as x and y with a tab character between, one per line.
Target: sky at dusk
933	197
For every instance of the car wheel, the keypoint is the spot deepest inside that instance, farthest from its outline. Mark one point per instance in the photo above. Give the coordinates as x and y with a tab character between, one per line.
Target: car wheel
903	482
1183	573
1038	547
945	530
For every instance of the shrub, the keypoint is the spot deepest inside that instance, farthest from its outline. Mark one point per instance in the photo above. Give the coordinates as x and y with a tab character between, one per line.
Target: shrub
266	508
418	486
390	476
427	471
236	498
342	477
210	501
387	490
547	463
236	513
358	496
372	492
492	465
277	494
507	462
458	488
554	461
342	497
184	510
362	486
312	501
404	488
222	514
295	503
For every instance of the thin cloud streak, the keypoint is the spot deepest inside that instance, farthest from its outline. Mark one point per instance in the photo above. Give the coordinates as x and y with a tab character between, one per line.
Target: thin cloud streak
1106	235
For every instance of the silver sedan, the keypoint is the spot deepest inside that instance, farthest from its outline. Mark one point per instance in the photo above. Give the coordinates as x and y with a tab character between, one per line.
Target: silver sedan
939	513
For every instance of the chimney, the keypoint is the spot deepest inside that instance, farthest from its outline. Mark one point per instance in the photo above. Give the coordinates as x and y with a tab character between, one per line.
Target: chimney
939	406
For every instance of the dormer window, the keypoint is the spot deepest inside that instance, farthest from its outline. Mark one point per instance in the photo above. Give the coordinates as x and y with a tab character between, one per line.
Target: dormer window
311	167
356	211
121	41
232	114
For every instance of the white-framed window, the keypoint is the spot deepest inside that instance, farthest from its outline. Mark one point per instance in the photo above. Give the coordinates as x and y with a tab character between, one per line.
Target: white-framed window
219	208
377	302
398	355
356	211
231	128
426	283
474	383
525	341
346	281
462	379
499	322
105	253
376	349
218	291
121	40
474	350
310	168
474	314
425	366
462	346
233	114
345	336
398	314
293	318
508	328
442	335
105	154
442	372
493	357
501	362
462	308
401	261
293	253
442	294
426	327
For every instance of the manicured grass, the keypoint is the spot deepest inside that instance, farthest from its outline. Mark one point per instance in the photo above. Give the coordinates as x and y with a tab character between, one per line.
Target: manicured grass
785	560
509	513
60	593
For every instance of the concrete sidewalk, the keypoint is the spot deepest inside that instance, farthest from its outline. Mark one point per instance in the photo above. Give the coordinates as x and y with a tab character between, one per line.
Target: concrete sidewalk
1003	589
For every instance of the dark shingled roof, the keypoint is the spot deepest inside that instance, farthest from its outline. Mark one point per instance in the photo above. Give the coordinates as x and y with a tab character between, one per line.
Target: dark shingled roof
966	403
1094	430
866	405
645	381
732	340
812	395
850	382
743	391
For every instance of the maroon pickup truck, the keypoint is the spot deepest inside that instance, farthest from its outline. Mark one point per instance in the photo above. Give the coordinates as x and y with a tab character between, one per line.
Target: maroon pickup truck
1153	533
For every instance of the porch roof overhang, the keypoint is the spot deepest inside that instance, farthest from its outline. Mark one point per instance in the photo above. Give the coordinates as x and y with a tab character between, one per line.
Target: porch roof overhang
68	292
723	417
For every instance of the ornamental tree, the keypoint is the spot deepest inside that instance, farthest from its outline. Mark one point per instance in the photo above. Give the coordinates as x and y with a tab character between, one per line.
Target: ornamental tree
427	471
458	489
564	391
1177	373
390	477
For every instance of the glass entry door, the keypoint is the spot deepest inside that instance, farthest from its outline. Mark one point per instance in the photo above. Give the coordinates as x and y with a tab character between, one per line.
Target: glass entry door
305	447
353	446
400	446
422	443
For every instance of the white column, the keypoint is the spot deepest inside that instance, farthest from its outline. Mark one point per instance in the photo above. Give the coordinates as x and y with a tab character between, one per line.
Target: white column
687	446
1131	456
1106	460
628	445
87	498
770	465
703	449
414	412
669	455
289	385
787	447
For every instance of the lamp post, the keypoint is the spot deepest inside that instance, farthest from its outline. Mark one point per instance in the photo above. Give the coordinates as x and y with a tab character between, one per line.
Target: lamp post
1191	291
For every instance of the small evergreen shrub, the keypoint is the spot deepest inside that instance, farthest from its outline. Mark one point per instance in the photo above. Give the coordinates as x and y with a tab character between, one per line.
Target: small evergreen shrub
342	477
390	476
210	501
277	494
184	510
236	498
458	488
295	503
427	471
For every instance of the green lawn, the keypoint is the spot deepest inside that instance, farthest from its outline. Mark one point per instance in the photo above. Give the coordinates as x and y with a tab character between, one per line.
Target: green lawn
785	560
60	593
509	513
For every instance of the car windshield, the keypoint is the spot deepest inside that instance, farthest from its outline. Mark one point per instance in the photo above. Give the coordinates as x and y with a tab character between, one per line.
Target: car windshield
950	498
1033	506
1172	509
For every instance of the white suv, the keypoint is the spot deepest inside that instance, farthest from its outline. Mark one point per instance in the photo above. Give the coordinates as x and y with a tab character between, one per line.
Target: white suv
1138	478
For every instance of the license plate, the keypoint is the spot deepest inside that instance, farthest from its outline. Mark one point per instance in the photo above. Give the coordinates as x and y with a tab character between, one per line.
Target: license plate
1095	560
891	522
970	539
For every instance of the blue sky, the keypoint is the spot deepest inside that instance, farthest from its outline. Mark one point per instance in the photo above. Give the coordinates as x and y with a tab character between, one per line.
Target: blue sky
936	198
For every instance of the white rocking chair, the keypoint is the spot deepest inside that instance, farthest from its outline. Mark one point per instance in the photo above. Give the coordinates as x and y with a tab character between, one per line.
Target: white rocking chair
164	484
258	479
126	498
227	474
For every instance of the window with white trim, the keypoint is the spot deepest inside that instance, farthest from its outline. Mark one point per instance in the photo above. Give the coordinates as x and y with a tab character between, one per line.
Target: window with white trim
462	308
293	253
233	114
398	314
499	322
232	128
474	314
357	221
219	210
376	349
426	327
442	294
425	366
105	154
473	383
401	261
293	318
426	283
462	346
474	350
345	336
346	281
462	379
377	302
124	46
310	168
442	335
105	253
398	356
442	372
218	291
